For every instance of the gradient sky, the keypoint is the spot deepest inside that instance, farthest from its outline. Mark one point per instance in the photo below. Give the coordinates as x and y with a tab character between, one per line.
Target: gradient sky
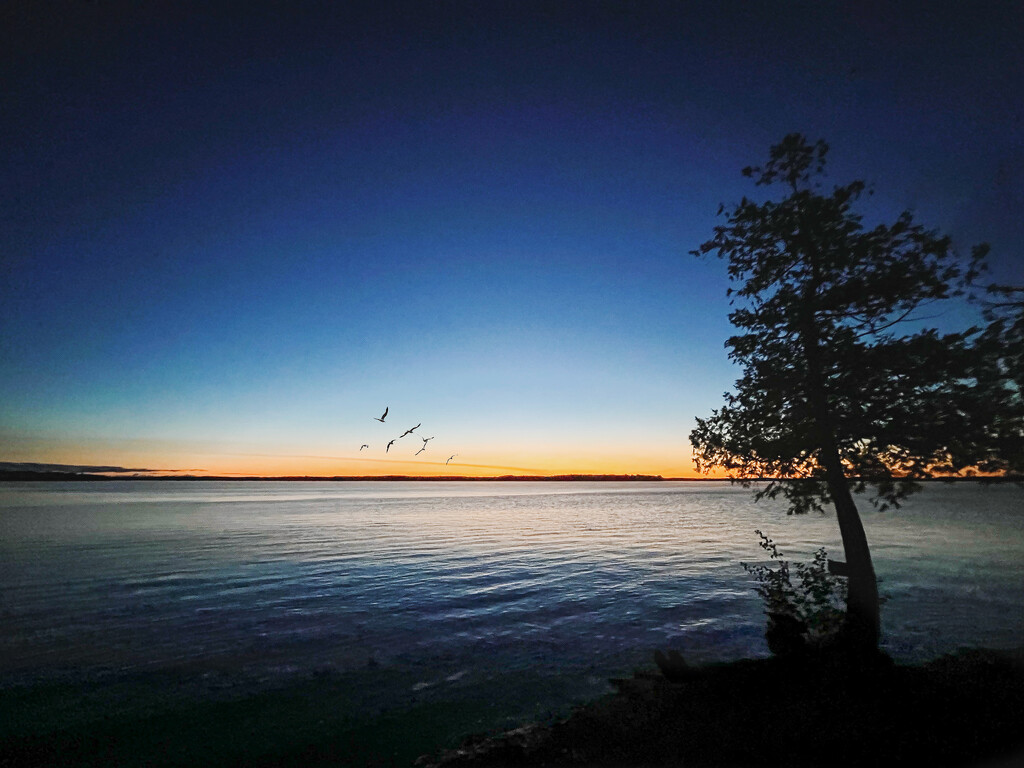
231	238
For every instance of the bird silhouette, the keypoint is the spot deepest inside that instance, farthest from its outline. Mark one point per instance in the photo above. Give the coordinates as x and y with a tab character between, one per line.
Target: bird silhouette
383	416
364	445
389	446
450	458
408	431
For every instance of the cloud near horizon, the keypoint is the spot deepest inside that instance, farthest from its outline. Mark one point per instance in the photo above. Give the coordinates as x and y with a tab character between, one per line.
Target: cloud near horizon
31	466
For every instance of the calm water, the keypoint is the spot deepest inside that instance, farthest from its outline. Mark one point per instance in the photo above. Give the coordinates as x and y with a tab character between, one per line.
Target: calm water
457	585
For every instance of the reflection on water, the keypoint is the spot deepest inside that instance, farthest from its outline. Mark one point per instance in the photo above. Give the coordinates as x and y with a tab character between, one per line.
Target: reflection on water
459	579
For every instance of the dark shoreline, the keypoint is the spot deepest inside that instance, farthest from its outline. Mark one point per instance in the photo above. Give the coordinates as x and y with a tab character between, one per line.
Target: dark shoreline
961	709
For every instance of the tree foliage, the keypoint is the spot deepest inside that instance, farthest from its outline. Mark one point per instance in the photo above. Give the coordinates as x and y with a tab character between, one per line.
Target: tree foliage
999	373
833	354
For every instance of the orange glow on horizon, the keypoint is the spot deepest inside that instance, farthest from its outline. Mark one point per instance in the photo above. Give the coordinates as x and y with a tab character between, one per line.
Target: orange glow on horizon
241	464
325	466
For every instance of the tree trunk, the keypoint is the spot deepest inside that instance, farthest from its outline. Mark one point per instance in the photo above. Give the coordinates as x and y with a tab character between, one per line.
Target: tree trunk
862	615
862	610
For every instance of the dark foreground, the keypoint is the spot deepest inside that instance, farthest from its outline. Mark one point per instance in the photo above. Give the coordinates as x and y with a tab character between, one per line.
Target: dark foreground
960	710
966	709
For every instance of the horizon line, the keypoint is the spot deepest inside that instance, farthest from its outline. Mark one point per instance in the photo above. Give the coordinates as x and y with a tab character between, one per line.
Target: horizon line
11	475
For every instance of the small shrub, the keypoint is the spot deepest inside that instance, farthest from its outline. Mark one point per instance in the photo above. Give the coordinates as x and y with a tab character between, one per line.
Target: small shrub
806	614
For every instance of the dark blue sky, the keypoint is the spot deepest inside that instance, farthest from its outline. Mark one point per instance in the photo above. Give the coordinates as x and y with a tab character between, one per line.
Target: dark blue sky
245	231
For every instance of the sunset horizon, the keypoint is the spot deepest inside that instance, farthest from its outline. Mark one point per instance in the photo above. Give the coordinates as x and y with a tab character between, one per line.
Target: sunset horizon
336	466
481	219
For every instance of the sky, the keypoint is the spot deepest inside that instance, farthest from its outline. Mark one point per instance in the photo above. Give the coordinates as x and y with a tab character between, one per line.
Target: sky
232	236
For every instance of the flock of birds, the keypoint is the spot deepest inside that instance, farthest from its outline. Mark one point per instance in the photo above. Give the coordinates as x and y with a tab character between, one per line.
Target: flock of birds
407	432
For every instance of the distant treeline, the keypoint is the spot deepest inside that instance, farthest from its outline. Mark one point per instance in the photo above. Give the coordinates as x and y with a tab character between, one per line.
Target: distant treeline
22	475
28	475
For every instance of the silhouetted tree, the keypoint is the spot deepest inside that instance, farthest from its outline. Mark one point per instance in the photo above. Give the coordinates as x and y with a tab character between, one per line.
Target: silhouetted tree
999	373
841	388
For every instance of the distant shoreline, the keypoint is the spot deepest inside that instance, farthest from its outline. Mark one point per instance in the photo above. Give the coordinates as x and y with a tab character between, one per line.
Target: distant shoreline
22	475
39	476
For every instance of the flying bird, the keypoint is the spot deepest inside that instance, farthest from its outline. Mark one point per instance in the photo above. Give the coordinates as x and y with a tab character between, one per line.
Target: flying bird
364	445
389	446
409	431
383	416
450	458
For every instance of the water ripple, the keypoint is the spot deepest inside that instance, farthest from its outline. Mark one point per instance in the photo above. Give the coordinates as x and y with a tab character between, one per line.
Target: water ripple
295	576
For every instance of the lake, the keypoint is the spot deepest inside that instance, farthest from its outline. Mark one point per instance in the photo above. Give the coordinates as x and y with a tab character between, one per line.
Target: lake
526	594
